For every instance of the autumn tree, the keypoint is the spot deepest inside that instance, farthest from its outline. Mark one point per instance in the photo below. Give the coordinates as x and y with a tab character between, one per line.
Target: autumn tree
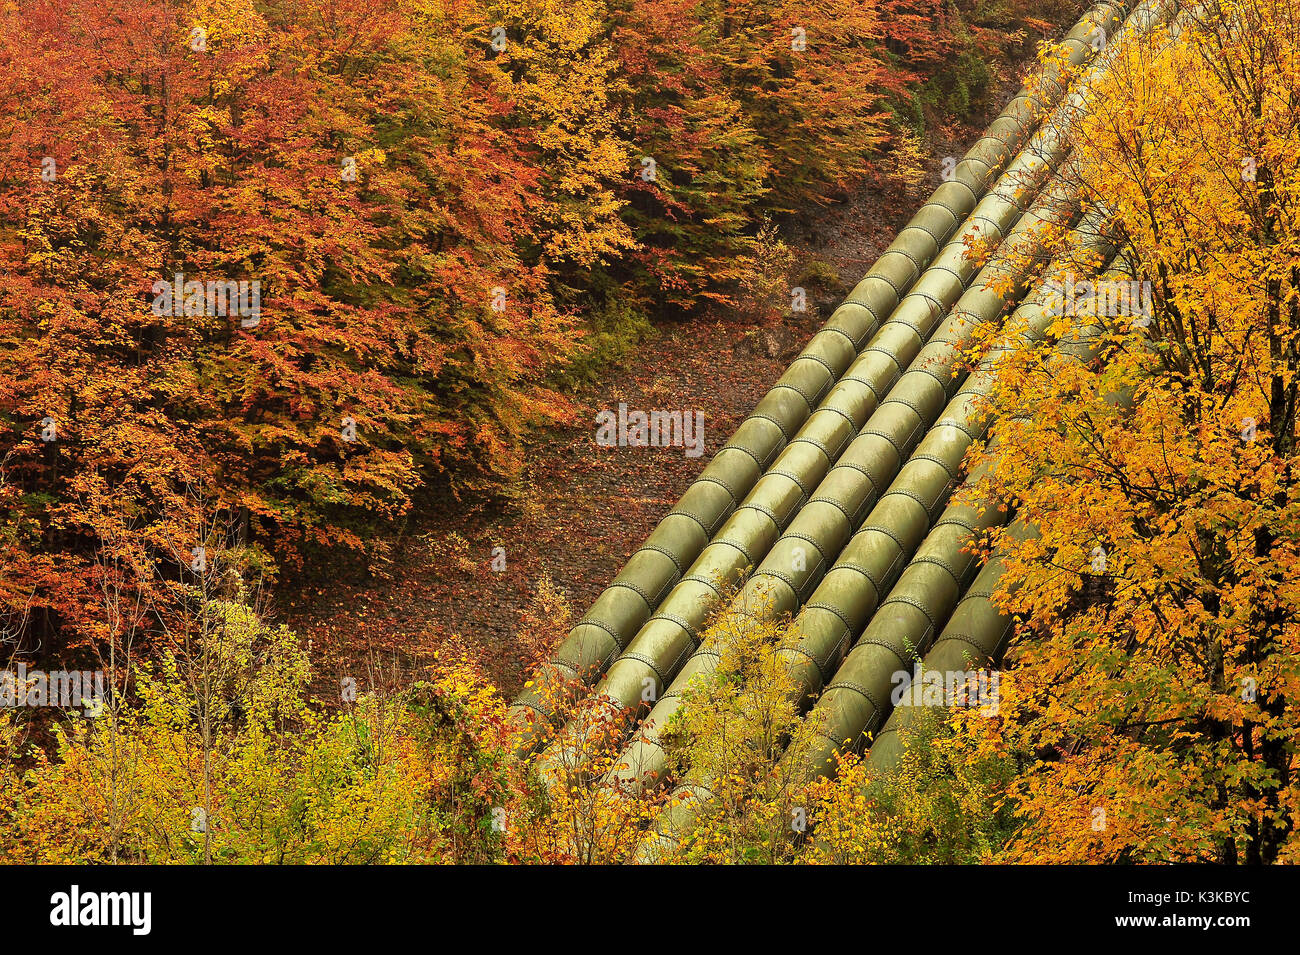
1155	673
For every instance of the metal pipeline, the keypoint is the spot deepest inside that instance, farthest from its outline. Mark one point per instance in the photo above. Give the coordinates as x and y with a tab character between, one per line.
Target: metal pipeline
784	421
925	593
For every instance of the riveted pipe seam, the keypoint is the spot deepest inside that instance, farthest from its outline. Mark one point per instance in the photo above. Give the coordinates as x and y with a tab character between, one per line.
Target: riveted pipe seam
739	547
948	469
794	535
711	479
651	600
915	498
687	627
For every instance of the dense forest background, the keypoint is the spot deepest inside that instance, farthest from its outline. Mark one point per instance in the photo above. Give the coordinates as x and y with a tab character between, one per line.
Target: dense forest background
456	213
305	308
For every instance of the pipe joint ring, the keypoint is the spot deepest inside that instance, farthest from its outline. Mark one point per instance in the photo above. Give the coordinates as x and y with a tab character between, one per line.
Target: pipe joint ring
546	717
777	424
787	579
966	639
561	665
957	522
821	499
917	267
919	332
599	625
877	349
704	581
650	601
865	306
807	539
881	529
687	627
839	331
944	382
645	739
767	512
902	455
938	562
859	569
938	240
853	425
912	495
649	662
873	274
741	548
956	217
988	138
731	491
911	602
676	561
857	688
938	307
973	194
706	527
892	400
762	465
809	400
908	660
993	226
962	280
826	452
869	385
958	425
871	479
812	356
935	459
794	479
708	650
844	622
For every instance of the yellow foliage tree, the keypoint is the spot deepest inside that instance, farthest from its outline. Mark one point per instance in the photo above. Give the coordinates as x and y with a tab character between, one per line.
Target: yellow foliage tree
729	735
1157	668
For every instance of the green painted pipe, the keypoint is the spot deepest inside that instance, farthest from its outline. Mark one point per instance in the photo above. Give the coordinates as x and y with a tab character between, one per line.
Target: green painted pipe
977	632
940	567
849	594
781	419
1048	140
975	636
843	498
857	699
672	631
925	591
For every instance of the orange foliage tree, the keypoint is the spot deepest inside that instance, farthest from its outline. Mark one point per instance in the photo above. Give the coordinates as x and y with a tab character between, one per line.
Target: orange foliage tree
315	256
1156	674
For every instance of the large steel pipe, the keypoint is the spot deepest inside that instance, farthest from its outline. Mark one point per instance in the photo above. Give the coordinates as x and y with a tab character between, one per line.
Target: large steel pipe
1048	144
975	636
857	699
817	531
806	550
782	419
925	591
977	632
